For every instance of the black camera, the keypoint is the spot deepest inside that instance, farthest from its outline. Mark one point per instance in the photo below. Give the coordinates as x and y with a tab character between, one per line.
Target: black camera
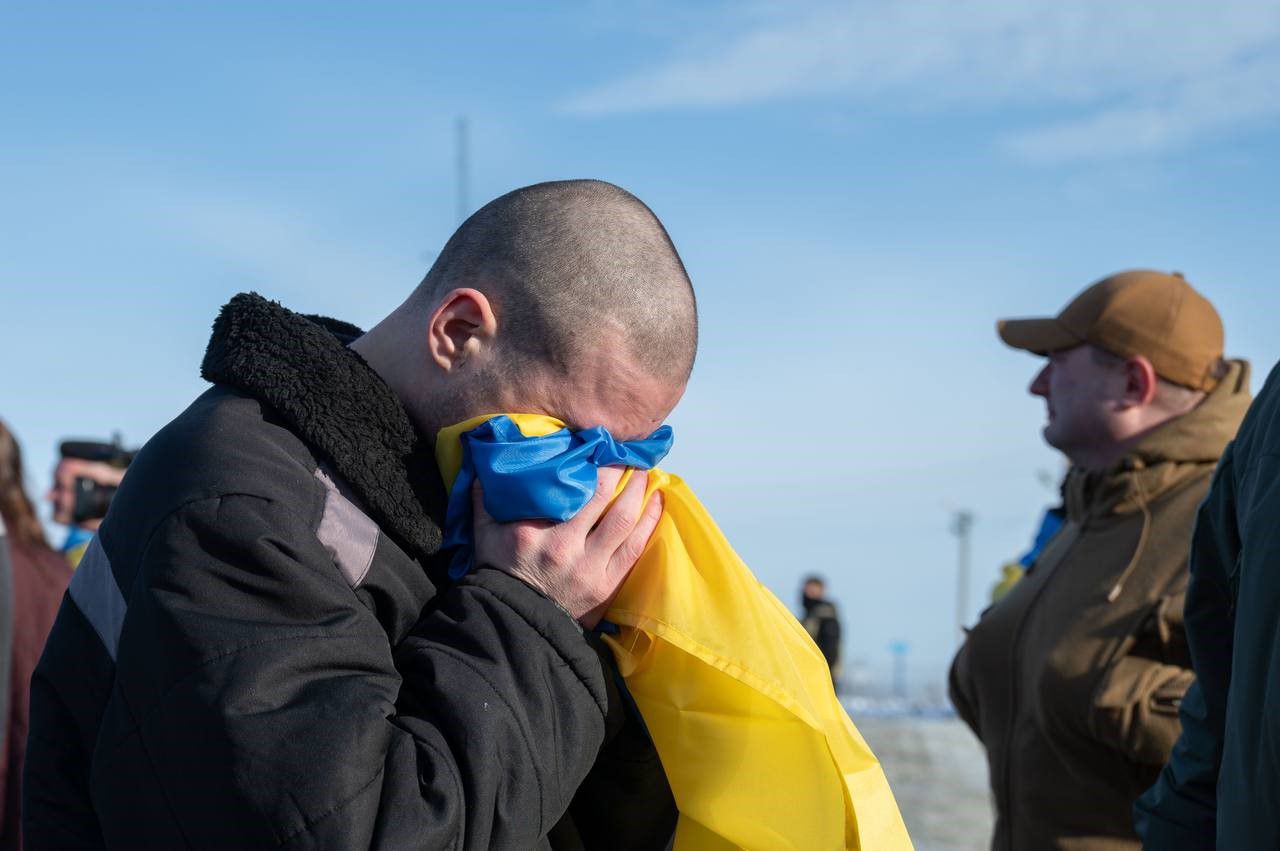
92	498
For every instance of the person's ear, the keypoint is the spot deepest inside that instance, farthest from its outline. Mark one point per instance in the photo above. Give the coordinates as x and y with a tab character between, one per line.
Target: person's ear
462	325
1140	381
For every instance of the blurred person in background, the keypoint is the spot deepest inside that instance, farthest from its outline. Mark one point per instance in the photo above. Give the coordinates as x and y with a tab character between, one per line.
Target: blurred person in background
38	577
1222	784
822	621
6	662
85	480
1072	681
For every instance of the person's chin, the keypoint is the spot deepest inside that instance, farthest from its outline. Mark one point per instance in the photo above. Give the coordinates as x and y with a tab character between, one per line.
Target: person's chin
1052	435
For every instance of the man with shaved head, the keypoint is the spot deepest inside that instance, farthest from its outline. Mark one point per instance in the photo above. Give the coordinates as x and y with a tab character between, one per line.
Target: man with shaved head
263	647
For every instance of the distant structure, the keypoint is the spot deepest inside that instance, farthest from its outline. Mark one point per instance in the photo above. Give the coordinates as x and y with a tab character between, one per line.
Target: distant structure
462	168
962	528
899	650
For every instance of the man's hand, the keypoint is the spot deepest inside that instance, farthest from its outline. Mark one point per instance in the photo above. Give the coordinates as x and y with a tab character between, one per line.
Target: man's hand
581	563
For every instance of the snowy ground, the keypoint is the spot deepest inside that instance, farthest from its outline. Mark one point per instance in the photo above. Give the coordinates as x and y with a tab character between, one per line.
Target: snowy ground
938	772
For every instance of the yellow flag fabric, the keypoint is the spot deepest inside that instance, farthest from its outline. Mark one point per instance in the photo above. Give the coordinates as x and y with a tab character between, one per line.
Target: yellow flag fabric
736	696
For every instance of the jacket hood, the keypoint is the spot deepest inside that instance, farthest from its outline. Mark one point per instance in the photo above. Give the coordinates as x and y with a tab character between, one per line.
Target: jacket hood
1202	433
1167	456
329	396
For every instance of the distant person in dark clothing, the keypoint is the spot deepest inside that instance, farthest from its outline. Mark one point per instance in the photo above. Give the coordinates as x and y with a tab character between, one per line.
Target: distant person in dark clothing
821	620
33	589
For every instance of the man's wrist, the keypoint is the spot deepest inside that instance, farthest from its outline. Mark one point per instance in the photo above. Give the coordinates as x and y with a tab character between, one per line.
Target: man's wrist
537	590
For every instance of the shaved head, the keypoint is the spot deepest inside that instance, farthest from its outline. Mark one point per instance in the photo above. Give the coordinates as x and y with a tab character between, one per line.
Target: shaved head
572	268
564	298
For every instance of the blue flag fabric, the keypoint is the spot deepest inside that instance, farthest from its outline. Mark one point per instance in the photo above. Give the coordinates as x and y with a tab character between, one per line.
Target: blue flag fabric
76	537
1049	526
535	478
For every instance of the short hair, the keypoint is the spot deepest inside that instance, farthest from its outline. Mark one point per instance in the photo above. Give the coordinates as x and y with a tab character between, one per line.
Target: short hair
568	264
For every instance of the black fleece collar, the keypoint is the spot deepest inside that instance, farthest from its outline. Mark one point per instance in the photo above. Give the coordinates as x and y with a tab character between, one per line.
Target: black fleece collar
333	400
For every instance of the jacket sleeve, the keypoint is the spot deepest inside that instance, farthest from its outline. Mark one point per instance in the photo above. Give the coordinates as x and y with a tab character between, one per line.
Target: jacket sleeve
1179	812
274	712
960	690
829	638
625	804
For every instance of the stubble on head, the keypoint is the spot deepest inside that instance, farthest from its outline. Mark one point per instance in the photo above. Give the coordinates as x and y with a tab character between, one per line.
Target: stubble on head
595	314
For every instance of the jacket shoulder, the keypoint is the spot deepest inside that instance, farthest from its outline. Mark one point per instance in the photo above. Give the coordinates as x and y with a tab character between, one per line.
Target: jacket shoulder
224	443
825	611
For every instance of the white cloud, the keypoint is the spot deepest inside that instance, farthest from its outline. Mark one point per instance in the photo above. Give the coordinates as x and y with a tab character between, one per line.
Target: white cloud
1233	98
1160	74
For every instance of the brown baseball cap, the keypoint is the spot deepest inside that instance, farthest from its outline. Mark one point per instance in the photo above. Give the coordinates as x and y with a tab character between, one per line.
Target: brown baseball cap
1139	312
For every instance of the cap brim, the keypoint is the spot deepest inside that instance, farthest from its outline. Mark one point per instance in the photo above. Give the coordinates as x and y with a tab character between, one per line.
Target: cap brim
1040	336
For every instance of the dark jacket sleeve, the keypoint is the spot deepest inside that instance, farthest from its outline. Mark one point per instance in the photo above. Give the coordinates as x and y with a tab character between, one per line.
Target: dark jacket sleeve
1179	812
270	710
829	637
625	804
960	690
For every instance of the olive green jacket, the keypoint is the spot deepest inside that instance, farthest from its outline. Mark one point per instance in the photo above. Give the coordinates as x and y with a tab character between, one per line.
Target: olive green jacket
1073	680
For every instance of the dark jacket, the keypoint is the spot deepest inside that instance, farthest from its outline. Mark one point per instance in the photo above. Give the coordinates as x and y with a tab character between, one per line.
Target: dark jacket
1072	680
40	577
260	649
1222	784
823	625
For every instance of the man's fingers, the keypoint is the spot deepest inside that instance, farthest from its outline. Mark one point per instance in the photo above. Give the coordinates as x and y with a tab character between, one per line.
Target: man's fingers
620	519
634	545
625	557
606	483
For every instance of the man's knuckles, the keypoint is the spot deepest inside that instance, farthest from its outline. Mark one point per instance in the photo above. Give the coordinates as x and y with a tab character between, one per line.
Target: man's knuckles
630	551
617	523
561	553
526	537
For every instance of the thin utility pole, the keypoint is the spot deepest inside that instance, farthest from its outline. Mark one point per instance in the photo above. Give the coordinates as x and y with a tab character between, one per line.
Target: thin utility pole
462	165
899	650
962	527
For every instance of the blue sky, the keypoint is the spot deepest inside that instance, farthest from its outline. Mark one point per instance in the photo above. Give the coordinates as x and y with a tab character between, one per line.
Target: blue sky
859	190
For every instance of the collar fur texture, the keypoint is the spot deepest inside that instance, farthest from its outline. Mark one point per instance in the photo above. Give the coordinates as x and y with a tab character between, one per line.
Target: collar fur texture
333	400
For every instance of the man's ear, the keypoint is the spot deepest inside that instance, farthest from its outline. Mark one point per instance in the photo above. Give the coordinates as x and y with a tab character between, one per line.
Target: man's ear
462	325
1141	381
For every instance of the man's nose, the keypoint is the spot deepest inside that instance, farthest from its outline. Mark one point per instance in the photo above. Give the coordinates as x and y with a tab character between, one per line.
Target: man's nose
1040	384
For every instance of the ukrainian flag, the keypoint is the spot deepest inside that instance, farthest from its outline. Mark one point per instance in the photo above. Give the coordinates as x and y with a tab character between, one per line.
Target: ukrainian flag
738	699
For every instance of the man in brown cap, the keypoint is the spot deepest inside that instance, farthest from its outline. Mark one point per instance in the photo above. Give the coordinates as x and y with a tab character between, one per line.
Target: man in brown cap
1072	681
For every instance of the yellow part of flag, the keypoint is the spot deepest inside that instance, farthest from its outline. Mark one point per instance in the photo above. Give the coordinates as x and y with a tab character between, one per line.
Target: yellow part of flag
736	696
